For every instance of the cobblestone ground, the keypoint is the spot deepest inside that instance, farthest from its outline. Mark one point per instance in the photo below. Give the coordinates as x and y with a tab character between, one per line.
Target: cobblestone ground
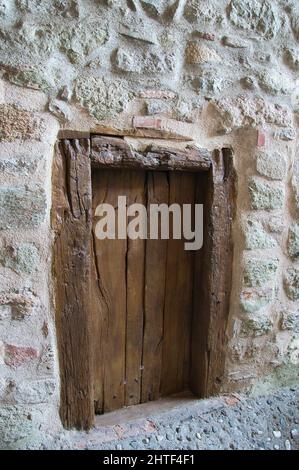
230	422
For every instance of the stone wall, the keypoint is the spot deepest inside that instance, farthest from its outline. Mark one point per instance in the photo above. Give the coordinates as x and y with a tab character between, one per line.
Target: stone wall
220	72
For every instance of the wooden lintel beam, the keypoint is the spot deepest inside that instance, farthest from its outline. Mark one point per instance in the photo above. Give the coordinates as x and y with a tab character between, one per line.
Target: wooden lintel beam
116	153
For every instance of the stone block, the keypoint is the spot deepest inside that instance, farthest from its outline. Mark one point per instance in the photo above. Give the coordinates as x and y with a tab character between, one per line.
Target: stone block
18	166
16	356
257	271
256	236
288	135
23	258
158	107
208	82
101	97
291	58
127	62
17	304
18	124
22	208
203	11
34	392
275	82
235	42
293	241
198	53
271	164
27	425
294	18
157	61
78	41
259	16
291	283
246	111
276	223
30	78
265	196
142	33
290	320
293	350
64	8
256	325
295	182
252	300
154	8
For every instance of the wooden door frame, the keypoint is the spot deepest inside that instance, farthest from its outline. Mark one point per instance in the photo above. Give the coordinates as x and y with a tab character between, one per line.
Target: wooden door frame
72	260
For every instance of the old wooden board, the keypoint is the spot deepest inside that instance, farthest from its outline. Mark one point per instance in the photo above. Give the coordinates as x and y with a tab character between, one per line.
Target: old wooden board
148	286
136	194
178	296
111	258
154	293
71	221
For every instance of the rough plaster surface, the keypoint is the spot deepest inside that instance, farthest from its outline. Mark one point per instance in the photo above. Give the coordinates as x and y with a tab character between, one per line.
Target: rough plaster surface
222	73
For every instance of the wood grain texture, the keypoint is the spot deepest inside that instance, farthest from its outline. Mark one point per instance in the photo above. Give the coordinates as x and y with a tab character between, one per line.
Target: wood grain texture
214	277
141	132
111	268
116	153
178	296
136	193
100	302
154	291
71	221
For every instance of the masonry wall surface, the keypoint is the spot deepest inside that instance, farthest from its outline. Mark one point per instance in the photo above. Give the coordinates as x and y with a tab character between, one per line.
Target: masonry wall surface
221	73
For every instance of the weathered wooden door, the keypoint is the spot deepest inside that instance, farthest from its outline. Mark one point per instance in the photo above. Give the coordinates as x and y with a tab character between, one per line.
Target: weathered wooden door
142	297
125	308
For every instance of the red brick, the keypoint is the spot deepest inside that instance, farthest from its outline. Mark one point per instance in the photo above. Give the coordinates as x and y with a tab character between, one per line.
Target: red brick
147	122
261	139
15	356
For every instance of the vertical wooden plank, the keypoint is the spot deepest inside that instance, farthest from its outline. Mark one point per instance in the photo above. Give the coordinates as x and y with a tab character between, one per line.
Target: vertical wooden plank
100	297
99	318
214	281
111	269
71	219
178	297
136	194
155	271
199	316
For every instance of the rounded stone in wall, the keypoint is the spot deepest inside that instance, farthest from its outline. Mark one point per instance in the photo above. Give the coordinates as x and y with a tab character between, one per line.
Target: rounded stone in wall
197	53
262	17
265	196
271	164
293	241
291	283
